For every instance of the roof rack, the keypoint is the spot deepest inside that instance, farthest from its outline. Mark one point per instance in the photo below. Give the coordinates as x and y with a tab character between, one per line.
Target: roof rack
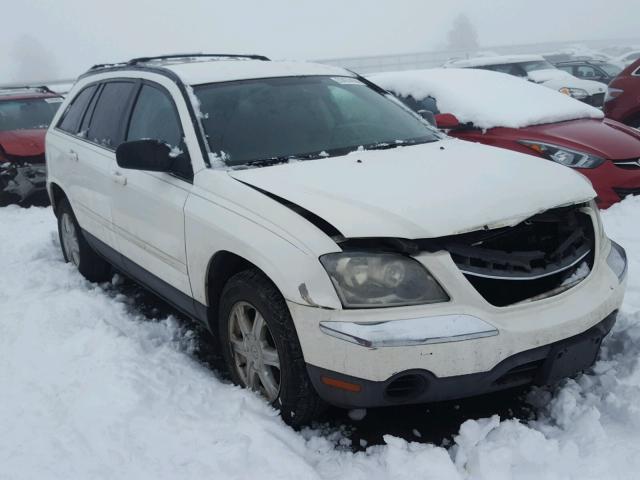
178	56
26	88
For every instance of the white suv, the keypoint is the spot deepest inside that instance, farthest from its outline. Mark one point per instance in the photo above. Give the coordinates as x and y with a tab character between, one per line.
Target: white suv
340	249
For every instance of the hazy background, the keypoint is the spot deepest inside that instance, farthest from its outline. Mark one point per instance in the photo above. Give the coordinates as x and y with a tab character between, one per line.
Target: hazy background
45	39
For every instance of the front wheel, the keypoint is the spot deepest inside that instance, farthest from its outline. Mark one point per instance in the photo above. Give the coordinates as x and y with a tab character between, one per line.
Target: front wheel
261	347
75	248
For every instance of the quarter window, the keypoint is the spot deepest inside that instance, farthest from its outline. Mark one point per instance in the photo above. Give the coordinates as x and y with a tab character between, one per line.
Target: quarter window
73	115
108	120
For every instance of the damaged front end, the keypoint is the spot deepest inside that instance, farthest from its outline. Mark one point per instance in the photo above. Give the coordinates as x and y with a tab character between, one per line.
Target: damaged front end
22	178
539	257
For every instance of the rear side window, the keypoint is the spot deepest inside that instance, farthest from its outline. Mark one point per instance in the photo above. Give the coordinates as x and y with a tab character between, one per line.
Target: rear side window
109	117
71	118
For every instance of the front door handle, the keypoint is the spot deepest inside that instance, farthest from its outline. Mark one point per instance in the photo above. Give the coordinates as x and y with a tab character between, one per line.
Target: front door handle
118	178
73	155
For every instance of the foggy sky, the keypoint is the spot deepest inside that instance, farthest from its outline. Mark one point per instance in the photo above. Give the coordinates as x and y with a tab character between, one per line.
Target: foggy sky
65	37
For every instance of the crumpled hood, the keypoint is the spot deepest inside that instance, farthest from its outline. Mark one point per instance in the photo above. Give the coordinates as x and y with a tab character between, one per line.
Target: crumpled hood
557	79
423	191
24	143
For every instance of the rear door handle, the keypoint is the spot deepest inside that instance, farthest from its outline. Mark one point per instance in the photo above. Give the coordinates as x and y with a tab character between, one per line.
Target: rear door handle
73	155
118	178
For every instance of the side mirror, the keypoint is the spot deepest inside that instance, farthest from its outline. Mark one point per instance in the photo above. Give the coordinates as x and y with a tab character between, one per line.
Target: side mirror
428	116
447	121
150	155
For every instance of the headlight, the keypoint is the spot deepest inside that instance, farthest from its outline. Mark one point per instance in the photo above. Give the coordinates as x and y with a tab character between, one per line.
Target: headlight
369	280
577	93
617	260
612	93
564	156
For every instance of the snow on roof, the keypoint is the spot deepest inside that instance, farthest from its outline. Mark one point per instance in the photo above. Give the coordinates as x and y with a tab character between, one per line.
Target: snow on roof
195	73
496	60
485	98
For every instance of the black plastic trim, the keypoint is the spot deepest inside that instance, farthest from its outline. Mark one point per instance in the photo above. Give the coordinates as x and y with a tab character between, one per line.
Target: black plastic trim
179	300
539	366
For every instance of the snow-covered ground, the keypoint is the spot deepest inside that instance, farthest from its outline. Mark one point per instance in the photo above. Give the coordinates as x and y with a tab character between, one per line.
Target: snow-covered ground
90	389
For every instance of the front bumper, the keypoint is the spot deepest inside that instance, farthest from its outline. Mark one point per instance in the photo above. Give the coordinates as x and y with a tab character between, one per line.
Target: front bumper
523	327
539	366
19	182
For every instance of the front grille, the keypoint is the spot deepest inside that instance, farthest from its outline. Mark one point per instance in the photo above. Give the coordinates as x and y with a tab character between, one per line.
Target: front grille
596	100
633	164
529	260
26	160
624	192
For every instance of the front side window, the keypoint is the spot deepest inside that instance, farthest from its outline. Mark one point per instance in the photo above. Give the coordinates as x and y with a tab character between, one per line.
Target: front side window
311	117
155	117
586	71
72	117
611	70
108	119
27	114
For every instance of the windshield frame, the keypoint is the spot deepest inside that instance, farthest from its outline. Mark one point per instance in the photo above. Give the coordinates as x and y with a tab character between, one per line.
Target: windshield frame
215	159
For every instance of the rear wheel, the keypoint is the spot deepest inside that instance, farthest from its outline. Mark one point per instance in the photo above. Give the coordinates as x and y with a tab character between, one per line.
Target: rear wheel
75	248
261	347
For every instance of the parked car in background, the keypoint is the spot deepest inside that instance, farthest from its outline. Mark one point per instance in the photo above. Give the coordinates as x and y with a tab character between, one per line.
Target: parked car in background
538	70
307	218
622	102
498	110
597	70
25	114
628	58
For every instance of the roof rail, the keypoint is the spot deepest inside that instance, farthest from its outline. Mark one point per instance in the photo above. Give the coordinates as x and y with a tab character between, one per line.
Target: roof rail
177	56
13	88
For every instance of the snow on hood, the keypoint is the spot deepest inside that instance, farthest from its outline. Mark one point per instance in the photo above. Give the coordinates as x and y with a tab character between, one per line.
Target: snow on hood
487	99
422	191
557	79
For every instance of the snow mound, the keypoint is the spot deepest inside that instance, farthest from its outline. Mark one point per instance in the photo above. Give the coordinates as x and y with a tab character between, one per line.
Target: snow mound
487	99
91	389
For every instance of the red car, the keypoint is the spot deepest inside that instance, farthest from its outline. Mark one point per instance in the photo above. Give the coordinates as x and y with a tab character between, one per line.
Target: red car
622	100
507	112
25	114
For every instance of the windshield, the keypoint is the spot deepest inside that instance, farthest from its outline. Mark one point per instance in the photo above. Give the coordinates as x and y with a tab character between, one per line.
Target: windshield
611	70
536	65
27	114
307	117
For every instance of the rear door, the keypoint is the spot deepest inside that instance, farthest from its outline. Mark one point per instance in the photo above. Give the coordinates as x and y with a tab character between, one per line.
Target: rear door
93	126
148	207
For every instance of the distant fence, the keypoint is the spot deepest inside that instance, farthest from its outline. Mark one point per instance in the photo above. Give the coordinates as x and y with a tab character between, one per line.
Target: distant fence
408	61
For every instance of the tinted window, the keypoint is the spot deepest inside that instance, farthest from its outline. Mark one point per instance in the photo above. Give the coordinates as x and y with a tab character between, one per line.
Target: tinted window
27	114
72	116
314	117
154	116
586	71
108	120
566	68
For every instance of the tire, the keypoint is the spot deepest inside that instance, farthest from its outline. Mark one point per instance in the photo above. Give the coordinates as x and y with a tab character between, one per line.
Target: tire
75	248
249	294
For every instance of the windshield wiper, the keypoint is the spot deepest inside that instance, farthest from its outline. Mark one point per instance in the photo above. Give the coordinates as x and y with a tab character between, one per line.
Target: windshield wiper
266	162
393	144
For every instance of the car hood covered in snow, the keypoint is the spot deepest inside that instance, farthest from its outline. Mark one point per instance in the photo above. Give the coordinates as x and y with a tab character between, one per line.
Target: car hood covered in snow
423	191
557	79
486	99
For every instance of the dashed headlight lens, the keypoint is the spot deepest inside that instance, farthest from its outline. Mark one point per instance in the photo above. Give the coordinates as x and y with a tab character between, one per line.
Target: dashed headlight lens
369	280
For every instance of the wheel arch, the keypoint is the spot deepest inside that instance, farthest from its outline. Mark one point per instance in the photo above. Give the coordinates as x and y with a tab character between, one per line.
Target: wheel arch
56	195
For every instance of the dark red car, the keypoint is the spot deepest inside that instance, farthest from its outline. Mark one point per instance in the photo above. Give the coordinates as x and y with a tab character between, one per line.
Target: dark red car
25	114
503	111
622	100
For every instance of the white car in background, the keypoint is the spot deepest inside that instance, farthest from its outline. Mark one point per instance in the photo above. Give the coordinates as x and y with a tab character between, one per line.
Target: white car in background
340	249
536	69
628	58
